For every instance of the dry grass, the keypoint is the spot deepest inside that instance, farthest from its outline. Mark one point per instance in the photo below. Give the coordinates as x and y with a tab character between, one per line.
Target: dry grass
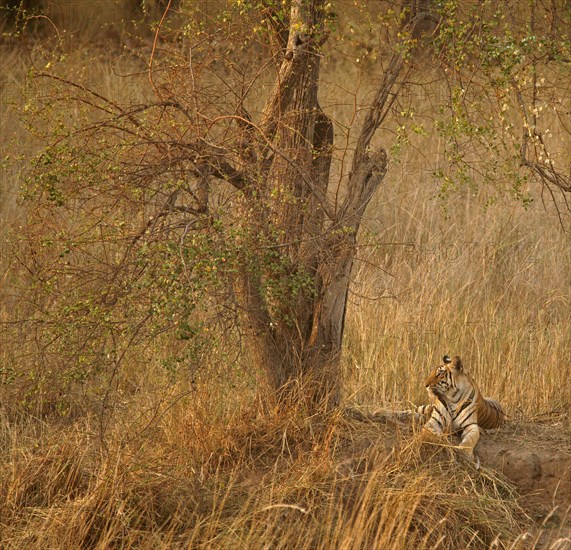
490	285
289	482
159	464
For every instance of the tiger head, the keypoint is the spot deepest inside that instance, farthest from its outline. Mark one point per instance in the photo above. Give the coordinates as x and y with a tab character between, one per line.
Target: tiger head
446	376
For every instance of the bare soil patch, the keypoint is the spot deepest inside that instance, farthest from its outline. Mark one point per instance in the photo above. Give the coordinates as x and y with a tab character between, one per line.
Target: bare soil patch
536	457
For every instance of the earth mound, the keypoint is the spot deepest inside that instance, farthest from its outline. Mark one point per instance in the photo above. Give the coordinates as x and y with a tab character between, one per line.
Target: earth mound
534	456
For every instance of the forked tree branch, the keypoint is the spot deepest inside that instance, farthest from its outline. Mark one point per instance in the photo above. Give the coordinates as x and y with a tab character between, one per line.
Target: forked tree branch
304	38
547	173
368	169
278	26
378	110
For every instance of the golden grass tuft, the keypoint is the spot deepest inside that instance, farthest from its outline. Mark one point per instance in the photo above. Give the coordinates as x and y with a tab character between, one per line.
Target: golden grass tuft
302	485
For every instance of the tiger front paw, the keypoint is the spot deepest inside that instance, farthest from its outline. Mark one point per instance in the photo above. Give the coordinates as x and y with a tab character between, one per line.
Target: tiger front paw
467	453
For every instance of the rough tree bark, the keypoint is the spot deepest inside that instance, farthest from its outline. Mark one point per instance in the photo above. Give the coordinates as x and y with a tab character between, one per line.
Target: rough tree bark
297	342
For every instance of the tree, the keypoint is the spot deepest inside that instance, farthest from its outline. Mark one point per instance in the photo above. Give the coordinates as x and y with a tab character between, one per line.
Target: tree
149	212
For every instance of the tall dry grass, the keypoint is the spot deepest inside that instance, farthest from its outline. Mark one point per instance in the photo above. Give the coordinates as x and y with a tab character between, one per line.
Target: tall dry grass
282	484
149	462
490	284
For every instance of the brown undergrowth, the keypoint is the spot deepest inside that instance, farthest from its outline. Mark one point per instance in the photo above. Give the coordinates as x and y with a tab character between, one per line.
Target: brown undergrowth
140	462
278	481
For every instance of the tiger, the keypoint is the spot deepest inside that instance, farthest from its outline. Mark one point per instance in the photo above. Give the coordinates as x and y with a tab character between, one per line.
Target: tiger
457	406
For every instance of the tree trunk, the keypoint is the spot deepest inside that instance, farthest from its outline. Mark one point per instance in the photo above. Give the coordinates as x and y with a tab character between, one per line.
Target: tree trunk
296	336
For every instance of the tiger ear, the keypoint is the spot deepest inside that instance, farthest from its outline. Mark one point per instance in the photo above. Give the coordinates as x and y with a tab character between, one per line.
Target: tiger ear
446	359
457	364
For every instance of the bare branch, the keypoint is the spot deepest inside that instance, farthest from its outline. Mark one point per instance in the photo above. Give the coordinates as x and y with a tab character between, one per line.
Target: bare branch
214	158
547	173
378	109
363	182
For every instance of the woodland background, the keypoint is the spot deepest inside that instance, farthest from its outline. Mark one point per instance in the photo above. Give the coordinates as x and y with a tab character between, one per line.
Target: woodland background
165	440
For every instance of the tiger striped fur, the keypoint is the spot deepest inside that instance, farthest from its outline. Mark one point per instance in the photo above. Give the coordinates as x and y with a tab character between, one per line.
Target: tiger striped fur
419	415
458	406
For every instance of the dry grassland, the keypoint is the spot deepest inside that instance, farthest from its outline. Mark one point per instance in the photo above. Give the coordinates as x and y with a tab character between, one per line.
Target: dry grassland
147	462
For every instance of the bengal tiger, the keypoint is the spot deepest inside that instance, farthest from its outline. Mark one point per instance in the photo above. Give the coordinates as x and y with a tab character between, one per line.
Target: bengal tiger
457	406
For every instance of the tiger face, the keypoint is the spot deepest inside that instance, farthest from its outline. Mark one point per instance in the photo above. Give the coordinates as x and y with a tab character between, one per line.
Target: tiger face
443	377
